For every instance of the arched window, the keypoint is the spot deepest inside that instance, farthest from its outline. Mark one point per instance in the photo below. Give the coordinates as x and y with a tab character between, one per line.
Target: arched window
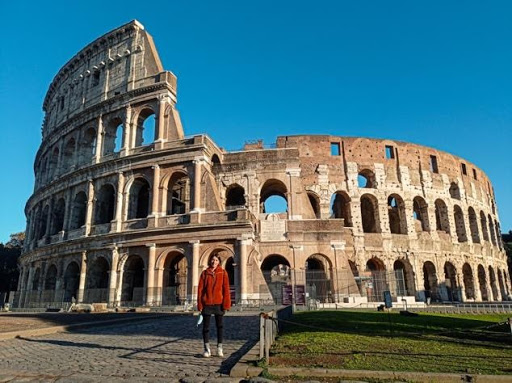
58	216
460	226
78	211
178	194
420	214
366	179
454	190
396	213
53	164
273	197
235	197
482	281
114	136
68	155
442	220
340	207
105	204
491	231
51	278
43	222
139	199
314	201
71	282
430	281
133	280
483	224
370	214
450	276
88	147
473	225
146	128
469	284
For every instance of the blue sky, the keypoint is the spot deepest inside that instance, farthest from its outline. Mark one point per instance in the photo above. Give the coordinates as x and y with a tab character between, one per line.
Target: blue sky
436	73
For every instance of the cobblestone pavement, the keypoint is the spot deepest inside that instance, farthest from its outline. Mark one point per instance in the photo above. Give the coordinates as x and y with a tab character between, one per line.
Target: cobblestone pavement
161	349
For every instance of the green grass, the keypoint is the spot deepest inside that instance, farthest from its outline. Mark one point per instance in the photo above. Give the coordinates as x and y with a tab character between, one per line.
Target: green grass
389	341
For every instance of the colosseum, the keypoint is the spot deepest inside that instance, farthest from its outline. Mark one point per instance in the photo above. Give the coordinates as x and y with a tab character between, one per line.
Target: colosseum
126	209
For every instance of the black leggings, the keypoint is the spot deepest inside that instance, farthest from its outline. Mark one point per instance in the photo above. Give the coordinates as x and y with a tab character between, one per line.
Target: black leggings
206	328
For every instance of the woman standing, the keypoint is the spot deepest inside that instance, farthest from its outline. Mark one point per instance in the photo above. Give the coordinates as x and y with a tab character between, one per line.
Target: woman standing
213	298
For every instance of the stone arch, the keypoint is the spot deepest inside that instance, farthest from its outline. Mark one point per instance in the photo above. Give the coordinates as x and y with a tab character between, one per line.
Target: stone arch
43	222
482	282
68	154
133	280
53	164
78	211
492	281
403	266
340	207
235	197
87	148
139	198
175	278
222	251
420	214
483	224
491	230
145	131
450	282
366	179
71	281
370	214
442	217
36	279
499	241
314	201
98	276
501	284
104	207
430	282
473	225
276	190
178	193
460	226
50	283
215	160
396	214
454	190
113	139
379	283
318	278
58	213
469	283
277	273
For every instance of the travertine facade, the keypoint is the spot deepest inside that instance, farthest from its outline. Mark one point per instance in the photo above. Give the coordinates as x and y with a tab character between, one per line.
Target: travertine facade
126	209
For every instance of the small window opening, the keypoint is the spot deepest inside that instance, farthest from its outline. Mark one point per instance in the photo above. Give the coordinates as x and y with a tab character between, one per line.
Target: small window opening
96	78
464	171
335	149
390	153
61	103
433	164
474	174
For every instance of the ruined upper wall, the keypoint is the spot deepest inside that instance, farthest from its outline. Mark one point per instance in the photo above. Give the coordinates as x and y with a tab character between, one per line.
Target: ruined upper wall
119	61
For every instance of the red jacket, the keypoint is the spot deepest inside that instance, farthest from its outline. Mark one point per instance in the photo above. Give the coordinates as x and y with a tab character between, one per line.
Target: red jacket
213	289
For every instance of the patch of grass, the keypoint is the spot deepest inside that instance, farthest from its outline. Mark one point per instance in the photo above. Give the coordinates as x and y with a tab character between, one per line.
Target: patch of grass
389	341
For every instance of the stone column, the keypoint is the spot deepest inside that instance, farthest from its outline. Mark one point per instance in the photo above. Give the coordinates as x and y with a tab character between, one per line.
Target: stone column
99	140
128	133
68	211
118	219
197	184
243	243
297	251
476	283
90	205
293	190
196	245
49	218
21	287
83	274
161	134
155	198
113	278
338	248
28	286
150	291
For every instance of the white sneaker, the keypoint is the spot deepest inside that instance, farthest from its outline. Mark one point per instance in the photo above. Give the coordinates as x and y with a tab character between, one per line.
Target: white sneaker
219	351
207	354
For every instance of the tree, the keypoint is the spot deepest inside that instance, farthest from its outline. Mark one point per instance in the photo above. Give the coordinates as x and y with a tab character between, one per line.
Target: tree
9	255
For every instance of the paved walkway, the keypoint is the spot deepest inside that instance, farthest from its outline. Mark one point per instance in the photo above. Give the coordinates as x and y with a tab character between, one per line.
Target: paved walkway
166	348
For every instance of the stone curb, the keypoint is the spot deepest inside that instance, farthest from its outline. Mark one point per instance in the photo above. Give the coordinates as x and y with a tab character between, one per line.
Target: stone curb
392	375
64	328
245	367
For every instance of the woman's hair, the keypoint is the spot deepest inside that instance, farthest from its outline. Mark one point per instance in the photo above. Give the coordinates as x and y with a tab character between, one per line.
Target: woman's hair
213	256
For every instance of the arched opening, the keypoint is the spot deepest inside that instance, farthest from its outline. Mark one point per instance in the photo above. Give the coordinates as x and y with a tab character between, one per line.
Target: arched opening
442	220
499	240
492	281
370	214
473	225
450	282
78	211
277	273
366	179
230	269
50	282
71	282
35	280
318	281
340	207
58	216
404	277
273	197
314	202
454	190
420	214
430	281
483	224
501	283
460	226
133	281
113	139
482	281
43	223
235	197
68	155
396	213
491	231
105	205
378	284
146	128
175	279
88	147
469	284
178	194
53	165
97	281
138	205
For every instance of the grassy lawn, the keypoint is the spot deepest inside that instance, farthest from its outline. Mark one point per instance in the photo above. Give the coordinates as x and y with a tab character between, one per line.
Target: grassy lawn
389	341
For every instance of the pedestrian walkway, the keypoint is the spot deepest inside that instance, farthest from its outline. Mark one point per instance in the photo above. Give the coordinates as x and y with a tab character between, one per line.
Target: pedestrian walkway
165	348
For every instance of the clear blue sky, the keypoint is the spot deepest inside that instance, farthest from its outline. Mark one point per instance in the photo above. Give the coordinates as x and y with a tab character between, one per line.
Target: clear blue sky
437	73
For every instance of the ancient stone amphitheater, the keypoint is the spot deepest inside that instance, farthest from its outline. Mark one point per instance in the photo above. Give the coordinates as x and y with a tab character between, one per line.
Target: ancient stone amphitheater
127	210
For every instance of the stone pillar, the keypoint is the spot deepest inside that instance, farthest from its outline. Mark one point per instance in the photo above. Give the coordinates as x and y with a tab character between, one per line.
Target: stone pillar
99	140
49	218
294	188
112	294
21	287
118	218
338	248
476	283
196	245
297	252
150	291
128	133
83	274
28	286
243	243
155	198
197	184
90	205
161	134
68	211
